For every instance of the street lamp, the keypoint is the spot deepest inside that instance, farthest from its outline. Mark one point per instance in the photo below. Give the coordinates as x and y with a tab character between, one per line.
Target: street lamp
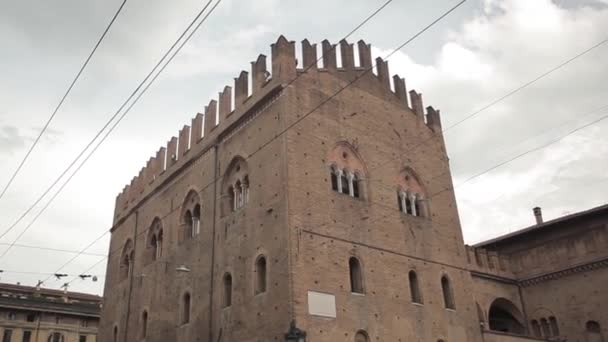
295	334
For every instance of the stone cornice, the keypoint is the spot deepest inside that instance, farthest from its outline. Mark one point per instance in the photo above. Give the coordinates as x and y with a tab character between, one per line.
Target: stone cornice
588	266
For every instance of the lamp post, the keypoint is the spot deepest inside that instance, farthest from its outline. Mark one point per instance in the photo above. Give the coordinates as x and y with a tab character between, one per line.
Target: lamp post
295	334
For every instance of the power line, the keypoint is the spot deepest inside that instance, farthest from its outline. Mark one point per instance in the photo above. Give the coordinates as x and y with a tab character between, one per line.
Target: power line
112	118
426	28
507	95
42	248
48	122
525	85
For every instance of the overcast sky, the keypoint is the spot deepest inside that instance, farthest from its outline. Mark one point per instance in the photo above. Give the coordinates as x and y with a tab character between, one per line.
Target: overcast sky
479	53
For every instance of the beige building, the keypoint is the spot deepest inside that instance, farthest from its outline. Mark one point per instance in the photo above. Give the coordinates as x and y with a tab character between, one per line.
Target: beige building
322	195
29	314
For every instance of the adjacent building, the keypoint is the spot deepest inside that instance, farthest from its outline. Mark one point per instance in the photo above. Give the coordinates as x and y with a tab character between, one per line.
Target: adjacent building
30	314
319	196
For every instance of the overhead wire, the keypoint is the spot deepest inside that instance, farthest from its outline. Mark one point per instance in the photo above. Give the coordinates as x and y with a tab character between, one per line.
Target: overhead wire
60	104
101	131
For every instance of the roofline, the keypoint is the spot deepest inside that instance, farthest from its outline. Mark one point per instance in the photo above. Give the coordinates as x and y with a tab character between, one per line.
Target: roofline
46	291
543	225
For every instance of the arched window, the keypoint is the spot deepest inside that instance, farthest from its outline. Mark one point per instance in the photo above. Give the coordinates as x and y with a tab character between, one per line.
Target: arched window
544	324
594	332
245	189
232	198
414	288
400	201
554	326
191	216
334	178
355	185
505	316
236	186
187	233
186	308
144	324
196	220
115	334
417	207
448	296
155	241
227	290
347	171
411	194
239	194
126	260
356	276
260	270
344	183
361	336
536	328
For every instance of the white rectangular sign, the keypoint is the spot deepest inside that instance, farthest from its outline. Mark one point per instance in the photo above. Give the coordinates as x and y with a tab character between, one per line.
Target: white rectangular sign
321	304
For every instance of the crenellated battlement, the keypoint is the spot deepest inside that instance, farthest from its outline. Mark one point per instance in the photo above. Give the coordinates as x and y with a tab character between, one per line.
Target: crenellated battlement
484	261
235	102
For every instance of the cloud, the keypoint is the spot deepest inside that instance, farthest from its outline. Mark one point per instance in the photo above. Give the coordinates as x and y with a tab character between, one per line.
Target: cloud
507	44
11	139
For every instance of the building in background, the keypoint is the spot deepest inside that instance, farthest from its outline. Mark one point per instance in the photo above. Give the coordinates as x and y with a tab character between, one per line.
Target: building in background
548	280
322	195
30	314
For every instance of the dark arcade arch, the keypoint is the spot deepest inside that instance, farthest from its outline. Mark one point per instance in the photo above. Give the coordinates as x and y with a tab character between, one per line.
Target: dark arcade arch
504	316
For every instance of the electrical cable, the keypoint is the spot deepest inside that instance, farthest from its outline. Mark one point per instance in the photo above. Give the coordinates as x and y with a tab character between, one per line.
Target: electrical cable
68	91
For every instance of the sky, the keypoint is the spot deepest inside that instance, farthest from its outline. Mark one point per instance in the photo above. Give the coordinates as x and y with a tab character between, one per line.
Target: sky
479	53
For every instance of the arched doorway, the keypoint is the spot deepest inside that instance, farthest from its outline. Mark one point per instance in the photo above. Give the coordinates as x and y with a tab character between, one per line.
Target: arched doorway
505	316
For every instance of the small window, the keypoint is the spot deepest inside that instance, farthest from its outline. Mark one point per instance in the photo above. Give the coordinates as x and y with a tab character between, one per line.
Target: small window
84	323
144	324
82	338
185	309
12	316
399	202
356	277
31	317
227	290
27	336
544	324
361	336
188	224
260	270
355	186
334	180
414	288
417	206
56	337
408	205
232	198
554	326
57	319
536	328
344	181
594	332
8	334
115	334
448	296
196	221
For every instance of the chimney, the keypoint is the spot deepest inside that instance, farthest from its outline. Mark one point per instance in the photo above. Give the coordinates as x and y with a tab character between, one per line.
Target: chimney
538	214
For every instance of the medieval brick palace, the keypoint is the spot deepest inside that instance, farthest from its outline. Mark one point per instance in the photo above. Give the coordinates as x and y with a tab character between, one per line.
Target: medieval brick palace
323	196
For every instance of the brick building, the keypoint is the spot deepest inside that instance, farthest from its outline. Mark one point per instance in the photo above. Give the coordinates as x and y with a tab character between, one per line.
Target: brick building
30	314
322	195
